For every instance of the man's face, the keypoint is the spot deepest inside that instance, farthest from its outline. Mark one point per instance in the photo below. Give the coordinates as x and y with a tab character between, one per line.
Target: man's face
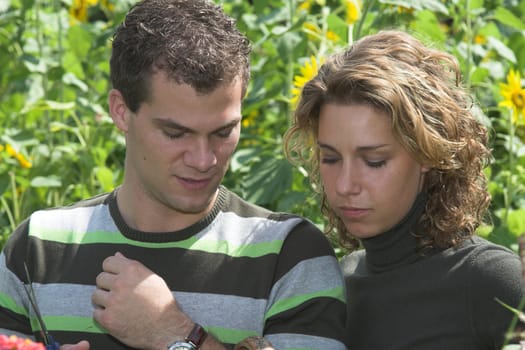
179	145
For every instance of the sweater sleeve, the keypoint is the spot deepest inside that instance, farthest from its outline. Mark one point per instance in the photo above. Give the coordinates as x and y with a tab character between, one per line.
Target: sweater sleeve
307	302
14	315
496	275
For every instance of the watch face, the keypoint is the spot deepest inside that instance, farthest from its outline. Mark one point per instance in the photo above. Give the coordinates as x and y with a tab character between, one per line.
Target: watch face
181	345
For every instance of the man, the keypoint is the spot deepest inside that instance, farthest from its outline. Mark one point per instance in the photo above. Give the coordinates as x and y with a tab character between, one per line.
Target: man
171	259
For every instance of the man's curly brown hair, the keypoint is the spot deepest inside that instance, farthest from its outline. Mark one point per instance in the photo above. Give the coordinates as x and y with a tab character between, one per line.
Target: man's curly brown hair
192	42
420	89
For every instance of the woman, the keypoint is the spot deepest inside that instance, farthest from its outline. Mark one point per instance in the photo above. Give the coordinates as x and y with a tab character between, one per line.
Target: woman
387	133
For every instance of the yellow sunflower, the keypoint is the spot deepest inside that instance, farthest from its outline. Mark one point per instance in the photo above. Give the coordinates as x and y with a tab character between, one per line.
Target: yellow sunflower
314	33
305	5
513	96
24	163
308	71
79	9
353	10
480	39
312	30
248	120
332	36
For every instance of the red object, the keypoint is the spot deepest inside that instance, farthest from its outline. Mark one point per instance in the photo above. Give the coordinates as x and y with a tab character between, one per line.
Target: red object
15	343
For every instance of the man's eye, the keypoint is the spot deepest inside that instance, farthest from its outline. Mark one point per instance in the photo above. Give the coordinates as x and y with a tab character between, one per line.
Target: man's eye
225	133
173	134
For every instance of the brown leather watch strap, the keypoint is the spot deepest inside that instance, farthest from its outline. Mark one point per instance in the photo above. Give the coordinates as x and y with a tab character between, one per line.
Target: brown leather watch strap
197	336
254	343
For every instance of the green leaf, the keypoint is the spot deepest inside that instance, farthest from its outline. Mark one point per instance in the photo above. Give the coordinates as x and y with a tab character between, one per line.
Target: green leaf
79	41
502	49
267	180
46	181
432	5
516	221
507	18
105	177
338	26
426	24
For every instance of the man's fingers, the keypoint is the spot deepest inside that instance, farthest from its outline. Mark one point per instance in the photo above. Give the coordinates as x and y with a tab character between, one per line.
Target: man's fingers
81	345
99	298
105	280
115	263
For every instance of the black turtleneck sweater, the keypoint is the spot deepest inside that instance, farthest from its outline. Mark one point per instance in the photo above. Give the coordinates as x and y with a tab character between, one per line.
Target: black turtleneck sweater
445	300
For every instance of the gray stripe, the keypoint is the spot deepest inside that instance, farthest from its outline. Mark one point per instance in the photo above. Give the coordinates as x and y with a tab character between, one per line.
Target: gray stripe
97	218
11	285
299	280
64	299
238	230
216	310
301	341
78	219
208	309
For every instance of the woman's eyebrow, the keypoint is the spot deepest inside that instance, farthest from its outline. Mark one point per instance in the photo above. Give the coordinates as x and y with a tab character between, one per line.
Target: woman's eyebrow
359	148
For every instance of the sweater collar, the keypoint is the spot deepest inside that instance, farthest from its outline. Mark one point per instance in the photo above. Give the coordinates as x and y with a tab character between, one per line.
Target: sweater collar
398	246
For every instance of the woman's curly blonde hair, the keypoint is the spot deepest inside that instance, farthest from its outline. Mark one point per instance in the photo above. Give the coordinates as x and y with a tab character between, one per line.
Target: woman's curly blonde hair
420	89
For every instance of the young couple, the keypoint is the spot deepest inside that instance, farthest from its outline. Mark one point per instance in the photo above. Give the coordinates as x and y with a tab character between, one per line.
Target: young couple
173	260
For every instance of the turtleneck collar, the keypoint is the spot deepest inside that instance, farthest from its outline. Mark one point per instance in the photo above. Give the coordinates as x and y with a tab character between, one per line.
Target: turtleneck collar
397	246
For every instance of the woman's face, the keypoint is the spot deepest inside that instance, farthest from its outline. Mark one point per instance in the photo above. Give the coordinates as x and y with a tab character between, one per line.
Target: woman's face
369	179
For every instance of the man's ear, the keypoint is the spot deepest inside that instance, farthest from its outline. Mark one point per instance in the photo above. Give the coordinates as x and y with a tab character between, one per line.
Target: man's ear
118	110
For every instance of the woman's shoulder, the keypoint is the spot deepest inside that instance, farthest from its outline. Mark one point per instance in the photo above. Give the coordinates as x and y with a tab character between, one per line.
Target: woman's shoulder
481	251
492	266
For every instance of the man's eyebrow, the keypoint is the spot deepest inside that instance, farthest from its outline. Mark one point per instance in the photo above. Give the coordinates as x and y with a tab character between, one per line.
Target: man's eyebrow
231	124
169	123
174	125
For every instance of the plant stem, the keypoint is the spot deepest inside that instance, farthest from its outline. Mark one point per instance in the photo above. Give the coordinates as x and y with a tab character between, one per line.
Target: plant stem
509	188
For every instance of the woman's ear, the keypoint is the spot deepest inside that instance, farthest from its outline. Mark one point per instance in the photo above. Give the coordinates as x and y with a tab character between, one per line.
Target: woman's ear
118	110
423	170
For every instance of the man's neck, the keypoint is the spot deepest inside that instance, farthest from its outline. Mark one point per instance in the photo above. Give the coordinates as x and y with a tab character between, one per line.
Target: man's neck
141	212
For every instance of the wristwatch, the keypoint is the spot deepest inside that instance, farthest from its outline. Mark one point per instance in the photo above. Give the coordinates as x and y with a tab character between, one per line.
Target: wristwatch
193	341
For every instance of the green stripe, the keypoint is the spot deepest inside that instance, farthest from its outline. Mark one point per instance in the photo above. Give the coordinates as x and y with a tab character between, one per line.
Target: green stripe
88	325
229	335
108	237
9	303
290	303
73	324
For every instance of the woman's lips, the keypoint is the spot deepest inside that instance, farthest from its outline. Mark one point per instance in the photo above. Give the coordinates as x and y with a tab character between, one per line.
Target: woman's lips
353	212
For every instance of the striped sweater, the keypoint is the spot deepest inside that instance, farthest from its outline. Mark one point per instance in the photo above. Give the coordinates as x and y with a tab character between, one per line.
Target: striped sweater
240	271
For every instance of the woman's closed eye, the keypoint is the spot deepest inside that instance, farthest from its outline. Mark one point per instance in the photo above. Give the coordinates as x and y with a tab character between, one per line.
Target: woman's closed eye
326	159
375	163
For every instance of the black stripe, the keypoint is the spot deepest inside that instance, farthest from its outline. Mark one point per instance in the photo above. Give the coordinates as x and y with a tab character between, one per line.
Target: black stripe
97	341
204	272
323	317
13	321
305	241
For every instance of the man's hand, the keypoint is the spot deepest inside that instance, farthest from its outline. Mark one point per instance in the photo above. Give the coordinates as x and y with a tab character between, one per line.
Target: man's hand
82	345
136	306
